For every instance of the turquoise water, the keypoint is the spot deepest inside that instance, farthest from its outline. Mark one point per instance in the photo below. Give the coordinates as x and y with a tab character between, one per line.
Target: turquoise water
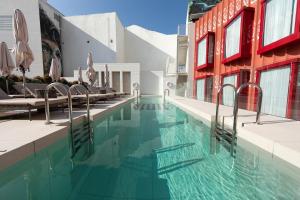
150	151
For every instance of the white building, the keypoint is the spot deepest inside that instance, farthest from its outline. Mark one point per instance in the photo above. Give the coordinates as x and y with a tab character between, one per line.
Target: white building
121	75
155	56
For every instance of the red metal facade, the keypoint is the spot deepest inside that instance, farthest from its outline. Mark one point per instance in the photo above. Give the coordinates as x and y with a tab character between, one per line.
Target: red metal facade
284	51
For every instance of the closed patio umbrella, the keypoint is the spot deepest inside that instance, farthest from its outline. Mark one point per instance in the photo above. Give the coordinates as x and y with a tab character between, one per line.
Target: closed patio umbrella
6	63
55	69
24	56
90	73
80	75
107	86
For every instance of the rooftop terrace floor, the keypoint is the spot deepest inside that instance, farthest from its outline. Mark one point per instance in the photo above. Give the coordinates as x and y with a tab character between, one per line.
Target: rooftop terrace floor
20	137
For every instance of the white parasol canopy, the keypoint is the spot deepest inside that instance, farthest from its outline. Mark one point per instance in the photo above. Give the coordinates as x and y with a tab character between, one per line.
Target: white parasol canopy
6	63
24	56
55	69
90	73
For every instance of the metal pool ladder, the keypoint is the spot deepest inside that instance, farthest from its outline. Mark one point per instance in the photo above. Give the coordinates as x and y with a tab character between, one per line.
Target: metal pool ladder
79	135
227	135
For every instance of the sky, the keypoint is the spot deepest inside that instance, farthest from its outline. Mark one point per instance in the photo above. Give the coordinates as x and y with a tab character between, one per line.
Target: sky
157	15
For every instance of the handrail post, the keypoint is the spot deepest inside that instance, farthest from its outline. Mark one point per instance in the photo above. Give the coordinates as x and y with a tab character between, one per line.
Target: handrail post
259	104
137	92
217	115
218	100
47	109
70	103
165	91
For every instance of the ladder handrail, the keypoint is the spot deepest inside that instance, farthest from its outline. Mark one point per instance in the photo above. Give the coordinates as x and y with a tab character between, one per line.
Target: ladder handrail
136	91
70	106
218	100
233	134
258	106
70	103
50	86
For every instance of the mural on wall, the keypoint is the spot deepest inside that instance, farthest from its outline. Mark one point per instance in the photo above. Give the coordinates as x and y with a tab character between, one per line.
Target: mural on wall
197	8
50	41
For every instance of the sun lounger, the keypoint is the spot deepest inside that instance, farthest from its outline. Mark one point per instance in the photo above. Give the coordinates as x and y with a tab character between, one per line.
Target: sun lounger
9	103
94	97
96	90
18	86
35	90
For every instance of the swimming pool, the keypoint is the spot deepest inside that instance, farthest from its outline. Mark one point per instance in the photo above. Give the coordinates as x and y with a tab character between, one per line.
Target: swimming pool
150	150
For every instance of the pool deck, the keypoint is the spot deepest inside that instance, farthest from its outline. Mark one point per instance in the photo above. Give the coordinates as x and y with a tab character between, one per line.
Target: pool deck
20	138
278	136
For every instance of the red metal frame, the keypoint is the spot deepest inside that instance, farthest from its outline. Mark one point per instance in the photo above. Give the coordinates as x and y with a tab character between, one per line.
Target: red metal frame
281	42
194	85
247	17
292	82
292	90
207	64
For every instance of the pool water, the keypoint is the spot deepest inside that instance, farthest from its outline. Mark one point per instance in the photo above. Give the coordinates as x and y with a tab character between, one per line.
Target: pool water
150	150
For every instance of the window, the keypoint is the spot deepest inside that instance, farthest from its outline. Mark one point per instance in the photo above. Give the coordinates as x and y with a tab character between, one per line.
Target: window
202	52
209	89
279	24
205	51
275	87
201	89
233	38
5	22
280	83
236	33
236	78
228	93
205	89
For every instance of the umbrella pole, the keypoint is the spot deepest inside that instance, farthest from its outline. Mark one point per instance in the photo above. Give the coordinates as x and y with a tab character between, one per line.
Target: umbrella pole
7	88
24	81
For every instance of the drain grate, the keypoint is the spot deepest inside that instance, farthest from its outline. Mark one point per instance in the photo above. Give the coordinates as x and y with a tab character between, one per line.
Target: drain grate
150	106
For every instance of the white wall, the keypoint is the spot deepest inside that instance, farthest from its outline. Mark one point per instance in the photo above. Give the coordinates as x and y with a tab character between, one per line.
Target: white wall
133	68
120	40
152	50
190	59
30	8
99	29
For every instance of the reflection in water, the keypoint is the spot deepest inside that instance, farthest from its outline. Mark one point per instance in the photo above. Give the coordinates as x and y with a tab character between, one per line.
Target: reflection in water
145	151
